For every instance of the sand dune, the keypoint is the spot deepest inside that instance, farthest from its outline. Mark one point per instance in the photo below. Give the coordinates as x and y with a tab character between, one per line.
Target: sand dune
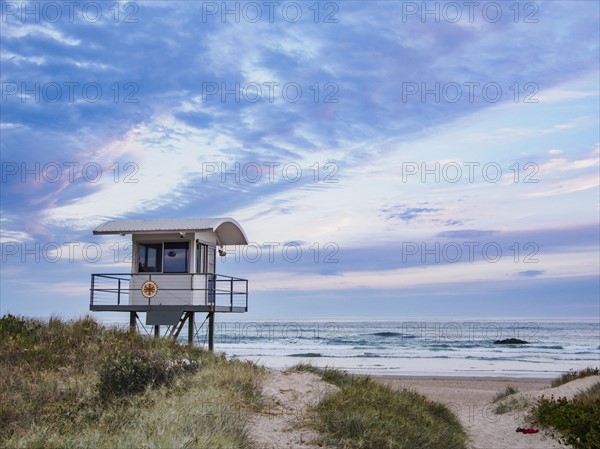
471	400
288	396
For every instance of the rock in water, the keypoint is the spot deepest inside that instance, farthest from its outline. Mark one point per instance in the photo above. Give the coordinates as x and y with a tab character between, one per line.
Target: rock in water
511	341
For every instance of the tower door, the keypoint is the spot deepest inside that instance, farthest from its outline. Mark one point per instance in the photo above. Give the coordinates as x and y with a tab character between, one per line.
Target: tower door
205	262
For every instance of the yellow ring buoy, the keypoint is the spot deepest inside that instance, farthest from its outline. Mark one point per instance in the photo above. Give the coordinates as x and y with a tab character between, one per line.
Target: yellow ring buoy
149	289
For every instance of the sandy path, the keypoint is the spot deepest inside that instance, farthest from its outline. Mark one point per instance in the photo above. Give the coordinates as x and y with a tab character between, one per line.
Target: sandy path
471	398
288	395
282	425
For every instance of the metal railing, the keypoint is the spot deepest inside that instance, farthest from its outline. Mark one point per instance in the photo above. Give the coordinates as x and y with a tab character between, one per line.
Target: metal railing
223	293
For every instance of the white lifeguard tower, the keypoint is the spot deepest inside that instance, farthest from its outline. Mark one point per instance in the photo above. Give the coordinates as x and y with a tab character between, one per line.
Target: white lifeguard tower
173	273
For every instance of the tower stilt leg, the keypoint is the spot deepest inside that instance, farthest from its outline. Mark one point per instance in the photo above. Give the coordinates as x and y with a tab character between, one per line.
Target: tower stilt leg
132	322
190	328
211	330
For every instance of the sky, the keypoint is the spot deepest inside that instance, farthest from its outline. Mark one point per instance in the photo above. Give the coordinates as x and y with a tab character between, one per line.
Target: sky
385	159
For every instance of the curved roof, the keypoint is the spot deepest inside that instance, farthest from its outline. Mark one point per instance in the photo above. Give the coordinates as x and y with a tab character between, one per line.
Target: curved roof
229	231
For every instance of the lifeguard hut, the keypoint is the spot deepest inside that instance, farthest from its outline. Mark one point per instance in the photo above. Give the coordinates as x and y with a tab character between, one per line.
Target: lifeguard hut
173	274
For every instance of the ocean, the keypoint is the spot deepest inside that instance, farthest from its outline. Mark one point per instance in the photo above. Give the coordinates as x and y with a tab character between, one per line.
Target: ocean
415	346
410	347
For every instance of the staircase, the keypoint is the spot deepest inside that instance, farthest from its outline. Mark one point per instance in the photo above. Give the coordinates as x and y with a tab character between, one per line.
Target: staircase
176	329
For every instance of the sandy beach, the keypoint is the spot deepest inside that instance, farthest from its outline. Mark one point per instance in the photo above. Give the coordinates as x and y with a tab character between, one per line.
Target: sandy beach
290	394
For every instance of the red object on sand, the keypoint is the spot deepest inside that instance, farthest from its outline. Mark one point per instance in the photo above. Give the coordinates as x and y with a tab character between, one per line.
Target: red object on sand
530	430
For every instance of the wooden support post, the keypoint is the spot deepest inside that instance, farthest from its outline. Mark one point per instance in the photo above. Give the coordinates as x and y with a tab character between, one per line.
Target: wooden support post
156	331
132	322
190	328
211	330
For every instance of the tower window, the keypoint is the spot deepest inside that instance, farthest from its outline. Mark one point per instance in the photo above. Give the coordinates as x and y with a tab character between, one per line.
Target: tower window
175	257
150	258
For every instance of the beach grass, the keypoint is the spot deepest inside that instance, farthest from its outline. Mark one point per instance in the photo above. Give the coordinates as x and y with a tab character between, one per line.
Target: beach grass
513	404
572	375
574	421
509	400
592	392
508	391
78	385
366	414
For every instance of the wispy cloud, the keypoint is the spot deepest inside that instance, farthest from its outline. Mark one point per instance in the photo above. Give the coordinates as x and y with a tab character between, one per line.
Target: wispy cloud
191	106
408	214
530	273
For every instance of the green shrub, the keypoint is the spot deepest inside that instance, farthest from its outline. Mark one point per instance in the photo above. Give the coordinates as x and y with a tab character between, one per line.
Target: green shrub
21	330
132	373
576	420
129	374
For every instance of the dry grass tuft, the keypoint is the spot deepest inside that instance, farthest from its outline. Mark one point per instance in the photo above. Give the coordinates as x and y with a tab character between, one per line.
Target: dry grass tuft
366	414
50	395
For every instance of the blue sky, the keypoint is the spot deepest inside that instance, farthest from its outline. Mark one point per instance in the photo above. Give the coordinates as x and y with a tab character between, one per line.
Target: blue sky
427	158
